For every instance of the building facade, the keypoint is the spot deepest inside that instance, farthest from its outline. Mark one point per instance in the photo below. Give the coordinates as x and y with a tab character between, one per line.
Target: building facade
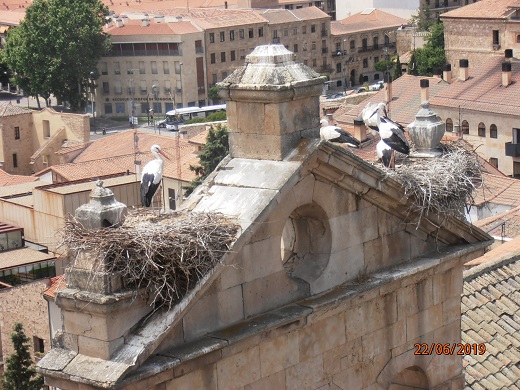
480	31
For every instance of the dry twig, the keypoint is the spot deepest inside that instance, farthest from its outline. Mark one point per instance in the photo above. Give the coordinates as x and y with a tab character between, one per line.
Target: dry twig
166	254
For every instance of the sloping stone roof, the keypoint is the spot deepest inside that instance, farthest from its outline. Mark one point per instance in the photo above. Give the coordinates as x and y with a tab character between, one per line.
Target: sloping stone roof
491	316
506	223
277	16
7	109
364	21
499	190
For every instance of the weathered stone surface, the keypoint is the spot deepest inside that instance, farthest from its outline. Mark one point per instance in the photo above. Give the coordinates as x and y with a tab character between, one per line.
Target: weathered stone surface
100	372
305	374
279	353
237	371
56	359
98	348
203	378
275	381
267	174
322	336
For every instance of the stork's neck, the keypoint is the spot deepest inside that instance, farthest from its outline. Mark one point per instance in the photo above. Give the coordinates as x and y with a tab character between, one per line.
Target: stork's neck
158	156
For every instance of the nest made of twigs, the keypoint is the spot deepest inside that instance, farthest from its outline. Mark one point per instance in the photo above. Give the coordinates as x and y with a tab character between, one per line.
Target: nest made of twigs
164	254
443	185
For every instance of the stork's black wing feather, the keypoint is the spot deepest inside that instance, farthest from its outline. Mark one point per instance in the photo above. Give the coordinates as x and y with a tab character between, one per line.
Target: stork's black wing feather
147	189
345	137
397	141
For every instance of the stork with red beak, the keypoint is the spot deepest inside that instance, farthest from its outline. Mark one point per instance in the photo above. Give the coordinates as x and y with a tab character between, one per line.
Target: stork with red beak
152	176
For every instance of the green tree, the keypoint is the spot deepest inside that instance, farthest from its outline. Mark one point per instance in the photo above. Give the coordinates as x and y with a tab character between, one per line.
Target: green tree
216	148
19	373
398	72
56	47
213	94
432	54
383	66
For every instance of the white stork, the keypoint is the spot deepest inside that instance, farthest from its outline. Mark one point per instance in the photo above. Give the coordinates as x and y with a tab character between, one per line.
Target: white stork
392	133
385	153
152	176
368	117
336	134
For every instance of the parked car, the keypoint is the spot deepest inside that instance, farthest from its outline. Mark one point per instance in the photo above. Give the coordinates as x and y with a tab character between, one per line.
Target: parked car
361	90
376	86
335	96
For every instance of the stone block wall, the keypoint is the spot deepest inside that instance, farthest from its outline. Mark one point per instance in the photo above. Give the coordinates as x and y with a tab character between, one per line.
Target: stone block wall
24	304
368	341
22	147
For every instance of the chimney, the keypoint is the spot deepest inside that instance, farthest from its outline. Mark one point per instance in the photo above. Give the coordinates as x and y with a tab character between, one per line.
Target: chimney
446	74
506	74
425	90
463	69
360	130
437	72
124	18
225	5
119	23
145	22
272	102
159	18
508	54
388	88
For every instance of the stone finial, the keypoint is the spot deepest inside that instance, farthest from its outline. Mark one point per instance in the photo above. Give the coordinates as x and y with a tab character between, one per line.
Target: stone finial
426	132
272	102
103	210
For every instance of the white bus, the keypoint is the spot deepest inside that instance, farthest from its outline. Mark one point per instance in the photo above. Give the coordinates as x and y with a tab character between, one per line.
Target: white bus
174	118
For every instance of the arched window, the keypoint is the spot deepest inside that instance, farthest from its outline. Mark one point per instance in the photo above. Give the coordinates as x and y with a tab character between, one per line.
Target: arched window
465	127
449	124
481	129
493	131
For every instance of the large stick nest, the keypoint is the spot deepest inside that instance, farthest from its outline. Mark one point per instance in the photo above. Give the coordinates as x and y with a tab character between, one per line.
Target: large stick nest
166	254
442	185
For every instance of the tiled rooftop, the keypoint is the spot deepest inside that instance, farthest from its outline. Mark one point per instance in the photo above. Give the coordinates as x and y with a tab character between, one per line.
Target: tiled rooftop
502	190
483	91
8	180
57	283
406	101
506	224
491	316
361	21
8	109
276	16
135	27
484	9
18	257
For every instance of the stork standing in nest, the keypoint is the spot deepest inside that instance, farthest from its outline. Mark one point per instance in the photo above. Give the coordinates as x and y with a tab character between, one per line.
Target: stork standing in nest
337	134
152	176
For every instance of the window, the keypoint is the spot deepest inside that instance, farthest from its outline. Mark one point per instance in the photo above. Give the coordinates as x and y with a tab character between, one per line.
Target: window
260	31
167	87
313	28
304	29
465	127
338	67
143	87
222	36
141	67
15	160
154	67
223	56
117	68
285	32
275	34
295	31
242	53
364	44
496	37
120	108
518	39
118	90
494	162
376	60
103	66
17	133
212	58
352	44
171	198
39	345
46	129
241	33
314	62
449	124
224	75
493	131
214	78
313	45
157	107
108	108
106	87
166	67
251	33
295	48
365	62
232	35
481	129
211	37
233	55
376	42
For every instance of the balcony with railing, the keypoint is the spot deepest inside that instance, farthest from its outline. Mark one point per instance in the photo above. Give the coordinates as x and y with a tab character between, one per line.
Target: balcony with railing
339	53
512	150
324	50
324	33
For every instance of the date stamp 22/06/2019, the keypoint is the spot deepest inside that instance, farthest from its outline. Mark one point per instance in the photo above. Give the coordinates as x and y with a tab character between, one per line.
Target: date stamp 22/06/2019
449	349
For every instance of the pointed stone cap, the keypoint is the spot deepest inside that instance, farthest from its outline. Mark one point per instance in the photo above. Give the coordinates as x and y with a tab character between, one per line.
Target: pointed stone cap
103	210
271	68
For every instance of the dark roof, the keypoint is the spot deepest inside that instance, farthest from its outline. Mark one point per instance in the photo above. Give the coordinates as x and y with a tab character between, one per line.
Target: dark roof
491	316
